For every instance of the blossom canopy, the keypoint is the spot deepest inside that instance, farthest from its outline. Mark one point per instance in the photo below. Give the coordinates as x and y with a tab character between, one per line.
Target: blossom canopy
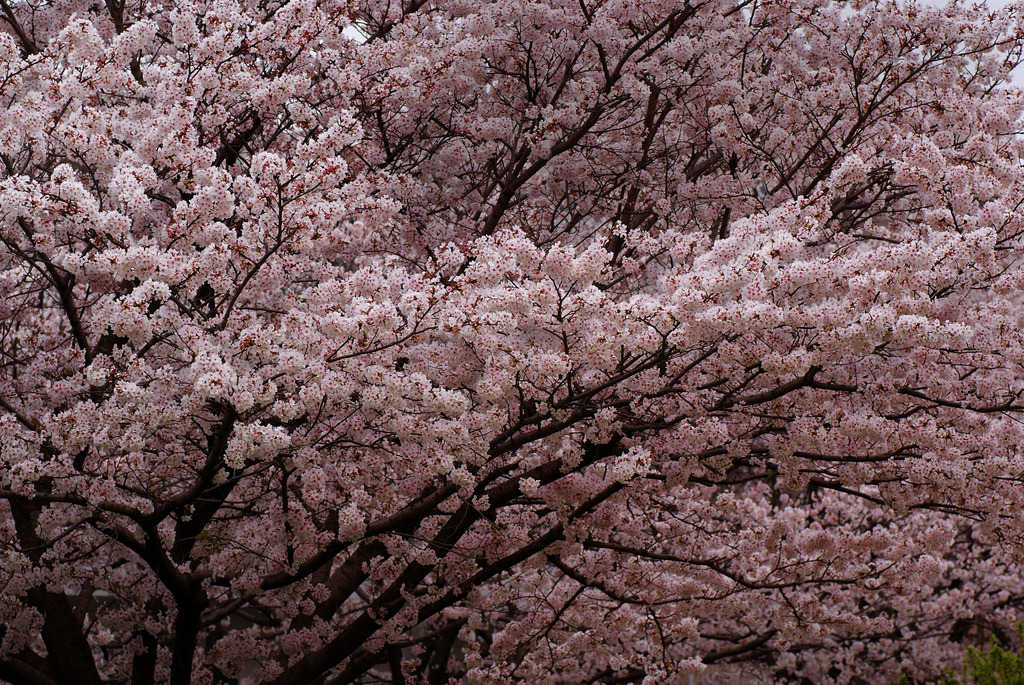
435	341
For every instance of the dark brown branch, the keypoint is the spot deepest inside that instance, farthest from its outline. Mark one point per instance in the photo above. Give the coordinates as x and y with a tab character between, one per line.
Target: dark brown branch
28	46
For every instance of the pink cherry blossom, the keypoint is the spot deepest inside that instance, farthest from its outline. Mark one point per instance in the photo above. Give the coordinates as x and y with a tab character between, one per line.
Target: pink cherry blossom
593	342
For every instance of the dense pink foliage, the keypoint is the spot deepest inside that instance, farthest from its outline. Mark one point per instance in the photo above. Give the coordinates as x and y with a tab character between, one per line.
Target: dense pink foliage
553	341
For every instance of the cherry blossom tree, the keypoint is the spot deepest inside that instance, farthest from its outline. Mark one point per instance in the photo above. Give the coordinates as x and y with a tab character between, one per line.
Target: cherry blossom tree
604	341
